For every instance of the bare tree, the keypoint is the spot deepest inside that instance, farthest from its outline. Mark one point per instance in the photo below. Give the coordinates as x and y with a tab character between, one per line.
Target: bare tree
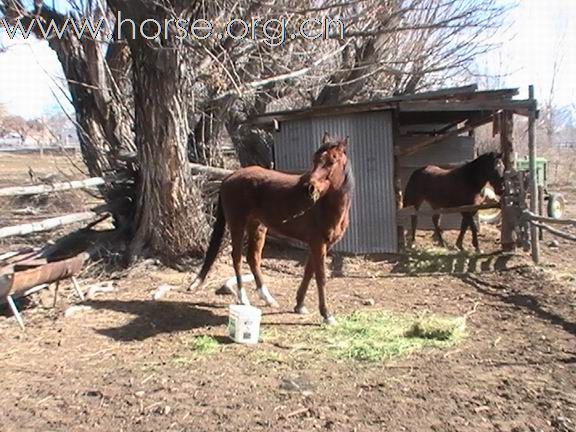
146	106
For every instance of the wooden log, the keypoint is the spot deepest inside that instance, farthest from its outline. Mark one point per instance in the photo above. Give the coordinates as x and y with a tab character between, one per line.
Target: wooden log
554	231
506	128
426	143
534	217
56	187
210	171
48	224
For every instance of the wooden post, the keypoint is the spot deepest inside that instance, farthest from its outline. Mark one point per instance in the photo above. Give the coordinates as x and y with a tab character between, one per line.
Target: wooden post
541	209
506	125
534	240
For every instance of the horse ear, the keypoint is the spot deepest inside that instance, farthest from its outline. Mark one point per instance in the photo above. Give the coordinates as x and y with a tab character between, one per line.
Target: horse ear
344	144
326	138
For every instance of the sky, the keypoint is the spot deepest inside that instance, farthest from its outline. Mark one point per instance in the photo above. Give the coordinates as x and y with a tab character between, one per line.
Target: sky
540	33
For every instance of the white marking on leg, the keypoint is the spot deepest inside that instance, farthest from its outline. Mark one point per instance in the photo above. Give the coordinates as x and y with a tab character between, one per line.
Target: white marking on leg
230	283
302	310
243	297
330	320
266	296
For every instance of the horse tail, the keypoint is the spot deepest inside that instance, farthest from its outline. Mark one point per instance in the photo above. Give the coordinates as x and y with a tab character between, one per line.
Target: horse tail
213	247
411	196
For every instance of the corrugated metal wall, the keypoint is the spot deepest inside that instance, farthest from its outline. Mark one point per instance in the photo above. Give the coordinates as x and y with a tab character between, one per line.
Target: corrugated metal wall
373	216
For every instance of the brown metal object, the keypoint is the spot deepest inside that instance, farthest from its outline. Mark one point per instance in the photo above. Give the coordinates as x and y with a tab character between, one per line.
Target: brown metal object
15	283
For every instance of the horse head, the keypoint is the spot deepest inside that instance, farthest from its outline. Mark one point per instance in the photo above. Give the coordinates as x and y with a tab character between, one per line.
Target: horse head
495	172
330	164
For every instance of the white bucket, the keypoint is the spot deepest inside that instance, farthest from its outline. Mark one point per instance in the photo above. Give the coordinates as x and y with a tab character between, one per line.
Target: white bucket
244	324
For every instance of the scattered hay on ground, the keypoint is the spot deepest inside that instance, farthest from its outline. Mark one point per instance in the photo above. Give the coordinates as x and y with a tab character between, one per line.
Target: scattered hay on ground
379	336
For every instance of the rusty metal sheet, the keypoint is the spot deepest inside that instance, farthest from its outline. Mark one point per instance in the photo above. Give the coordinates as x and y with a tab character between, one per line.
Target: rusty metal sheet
18	282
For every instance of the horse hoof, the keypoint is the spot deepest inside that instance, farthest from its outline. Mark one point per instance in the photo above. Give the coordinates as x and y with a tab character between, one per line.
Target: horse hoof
330	320
267	297
301	310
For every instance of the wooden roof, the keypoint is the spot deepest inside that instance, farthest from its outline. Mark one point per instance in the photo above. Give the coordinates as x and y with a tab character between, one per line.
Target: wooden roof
457	103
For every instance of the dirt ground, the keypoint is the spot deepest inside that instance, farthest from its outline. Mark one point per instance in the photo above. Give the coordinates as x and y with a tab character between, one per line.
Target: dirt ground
127	363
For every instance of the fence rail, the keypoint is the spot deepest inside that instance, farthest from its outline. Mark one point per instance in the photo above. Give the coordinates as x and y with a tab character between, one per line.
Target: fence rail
54	187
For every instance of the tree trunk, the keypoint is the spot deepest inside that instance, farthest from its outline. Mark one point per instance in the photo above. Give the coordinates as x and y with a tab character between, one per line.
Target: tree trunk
170	221
253	145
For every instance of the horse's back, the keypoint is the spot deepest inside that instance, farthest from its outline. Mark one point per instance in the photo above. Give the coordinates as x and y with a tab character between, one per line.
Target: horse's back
440	187
259	192
257	175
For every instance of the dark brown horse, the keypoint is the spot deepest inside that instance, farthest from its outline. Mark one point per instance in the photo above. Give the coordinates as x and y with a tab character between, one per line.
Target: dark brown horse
313	208
460	186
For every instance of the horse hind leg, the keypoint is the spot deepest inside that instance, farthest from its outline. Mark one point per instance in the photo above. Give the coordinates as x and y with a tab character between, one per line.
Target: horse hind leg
237	236
438	230
256	240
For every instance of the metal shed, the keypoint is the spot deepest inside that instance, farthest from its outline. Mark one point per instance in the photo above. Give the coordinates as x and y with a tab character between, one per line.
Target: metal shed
388	140
373	214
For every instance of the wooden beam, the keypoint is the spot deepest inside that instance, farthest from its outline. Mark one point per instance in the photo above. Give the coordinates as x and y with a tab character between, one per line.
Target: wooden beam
487	105
210	171
534	217
426	143
48	224
505	126
49	188
557	232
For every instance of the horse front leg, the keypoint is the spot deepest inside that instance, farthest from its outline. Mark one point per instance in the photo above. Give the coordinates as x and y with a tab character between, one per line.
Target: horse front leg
256	240
319	259
474	228
237	236
463	229
303	288
414	226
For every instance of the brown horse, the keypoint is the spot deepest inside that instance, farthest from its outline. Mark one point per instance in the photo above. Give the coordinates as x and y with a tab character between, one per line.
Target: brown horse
313	208
460	186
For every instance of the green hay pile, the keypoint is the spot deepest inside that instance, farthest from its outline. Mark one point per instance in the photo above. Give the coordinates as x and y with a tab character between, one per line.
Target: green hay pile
380	336
204	345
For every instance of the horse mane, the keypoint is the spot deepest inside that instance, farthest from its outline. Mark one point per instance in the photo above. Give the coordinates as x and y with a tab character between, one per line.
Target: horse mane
476	170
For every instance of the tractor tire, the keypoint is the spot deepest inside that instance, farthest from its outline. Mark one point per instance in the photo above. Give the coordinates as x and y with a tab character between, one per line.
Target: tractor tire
556	205
490	216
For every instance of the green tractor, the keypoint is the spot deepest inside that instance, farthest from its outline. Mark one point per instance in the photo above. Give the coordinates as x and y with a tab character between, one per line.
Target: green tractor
555	203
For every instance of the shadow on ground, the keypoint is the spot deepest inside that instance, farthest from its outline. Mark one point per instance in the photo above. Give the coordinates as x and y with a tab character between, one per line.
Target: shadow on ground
525	301
156	317
439	261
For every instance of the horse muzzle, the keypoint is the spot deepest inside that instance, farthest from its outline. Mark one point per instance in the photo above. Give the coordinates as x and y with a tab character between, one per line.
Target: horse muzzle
313	192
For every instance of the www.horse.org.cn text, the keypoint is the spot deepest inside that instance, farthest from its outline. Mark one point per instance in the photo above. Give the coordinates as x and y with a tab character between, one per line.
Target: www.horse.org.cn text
271	31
